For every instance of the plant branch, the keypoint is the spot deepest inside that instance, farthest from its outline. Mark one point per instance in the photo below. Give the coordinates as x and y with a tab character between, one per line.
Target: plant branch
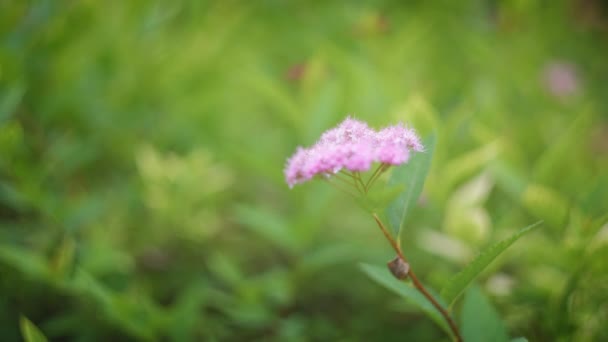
379	170
340	188
356	181
417	284
358	178
347	181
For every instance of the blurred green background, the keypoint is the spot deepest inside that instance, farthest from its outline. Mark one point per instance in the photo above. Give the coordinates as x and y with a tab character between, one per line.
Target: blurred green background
142	145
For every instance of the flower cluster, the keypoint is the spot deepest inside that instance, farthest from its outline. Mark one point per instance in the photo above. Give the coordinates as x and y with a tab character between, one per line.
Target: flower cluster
352	146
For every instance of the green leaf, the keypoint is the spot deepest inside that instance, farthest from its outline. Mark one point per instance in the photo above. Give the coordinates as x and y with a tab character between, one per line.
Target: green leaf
460	281
9	102
519	339
326	255
412	175
25	261
379	198
266	224
466	165
62	262
383	277
30	332
480	321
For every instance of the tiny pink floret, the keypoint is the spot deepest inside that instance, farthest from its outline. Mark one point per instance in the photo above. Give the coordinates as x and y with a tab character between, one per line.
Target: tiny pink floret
352	146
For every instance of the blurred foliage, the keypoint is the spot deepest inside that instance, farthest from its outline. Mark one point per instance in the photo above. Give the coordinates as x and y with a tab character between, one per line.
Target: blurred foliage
142	146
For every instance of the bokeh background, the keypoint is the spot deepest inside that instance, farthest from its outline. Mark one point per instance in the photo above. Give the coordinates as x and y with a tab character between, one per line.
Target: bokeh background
142	145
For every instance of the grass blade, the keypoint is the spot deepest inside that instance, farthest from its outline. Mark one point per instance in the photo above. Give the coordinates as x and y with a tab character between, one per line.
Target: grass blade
462	280
30	332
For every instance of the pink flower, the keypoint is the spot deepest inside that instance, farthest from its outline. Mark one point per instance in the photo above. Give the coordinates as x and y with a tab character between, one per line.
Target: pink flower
352	146
561	79
394	144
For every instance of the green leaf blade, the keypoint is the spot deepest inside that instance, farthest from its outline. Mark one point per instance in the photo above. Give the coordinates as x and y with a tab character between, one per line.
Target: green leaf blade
461	281
480	321
30	332
384	278
412	175
266	224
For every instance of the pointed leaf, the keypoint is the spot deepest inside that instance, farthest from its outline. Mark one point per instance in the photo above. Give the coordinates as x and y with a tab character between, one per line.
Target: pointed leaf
25	261
460	281
480	321
412	175
30	332
383	277
519	339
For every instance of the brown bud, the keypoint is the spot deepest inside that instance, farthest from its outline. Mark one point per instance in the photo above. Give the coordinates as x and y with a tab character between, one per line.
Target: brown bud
399	268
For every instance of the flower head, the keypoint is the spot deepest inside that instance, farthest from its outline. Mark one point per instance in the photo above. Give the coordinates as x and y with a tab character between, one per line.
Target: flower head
352	146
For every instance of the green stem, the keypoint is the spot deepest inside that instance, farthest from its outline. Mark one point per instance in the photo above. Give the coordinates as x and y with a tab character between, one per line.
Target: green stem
356	181
346	181
381	168
358	178
335	185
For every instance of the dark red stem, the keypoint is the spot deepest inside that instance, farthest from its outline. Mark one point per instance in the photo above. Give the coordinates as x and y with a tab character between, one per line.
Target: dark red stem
417	284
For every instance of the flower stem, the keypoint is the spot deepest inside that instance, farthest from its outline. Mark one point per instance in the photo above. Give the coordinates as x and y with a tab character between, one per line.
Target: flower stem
375	175
340	188
417	284
358	178
347	181
356	181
